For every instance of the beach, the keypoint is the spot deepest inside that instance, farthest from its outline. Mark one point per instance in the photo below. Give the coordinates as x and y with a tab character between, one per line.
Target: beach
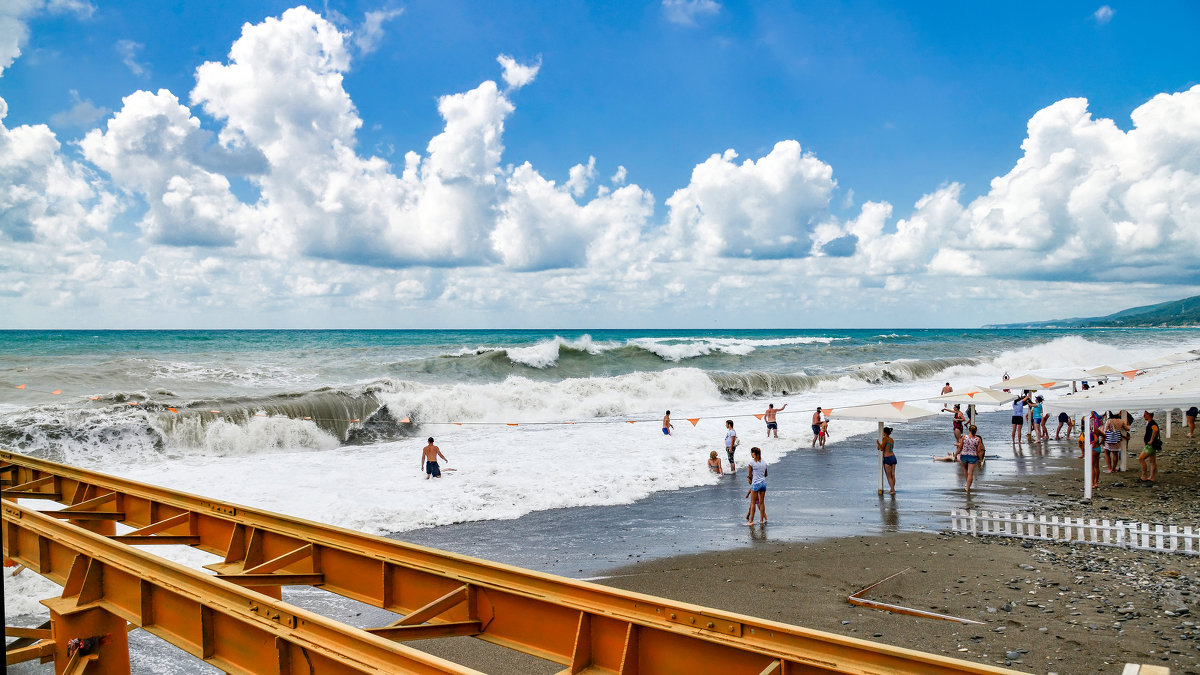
557	464
1045	607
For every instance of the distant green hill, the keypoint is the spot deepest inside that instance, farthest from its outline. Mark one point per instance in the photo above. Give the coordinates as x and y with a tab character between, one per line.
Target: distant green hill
1185	312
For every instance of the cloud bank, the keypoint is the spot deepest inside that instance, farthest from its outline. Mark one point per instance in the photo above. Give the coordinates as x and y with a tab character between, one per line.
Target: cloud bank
276	209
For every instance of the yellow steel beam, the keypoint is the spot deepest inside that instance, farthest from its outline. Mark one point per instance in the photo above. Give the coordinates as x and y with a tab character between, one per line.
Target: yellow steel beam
577	624
235	629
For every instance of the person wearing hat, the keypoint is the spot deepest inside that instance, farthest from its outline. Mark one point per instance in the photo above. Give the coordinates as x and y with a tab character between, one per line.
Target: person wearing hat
1148	459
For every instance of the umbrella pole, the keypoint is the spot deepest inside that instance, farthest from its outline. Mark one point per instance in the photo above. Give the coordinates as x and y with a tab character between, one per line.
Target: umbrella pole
1168	423
1087	457
881	460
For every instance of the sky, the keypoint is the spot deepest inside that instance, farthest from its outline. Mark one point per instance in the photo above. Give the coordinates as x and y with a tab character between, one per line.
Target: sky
657	164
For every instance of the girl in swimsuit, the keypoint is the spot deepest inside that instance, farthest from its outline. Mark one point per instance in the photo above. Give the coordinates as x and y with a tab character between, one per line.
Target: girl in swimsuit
886	445
714	463
959	419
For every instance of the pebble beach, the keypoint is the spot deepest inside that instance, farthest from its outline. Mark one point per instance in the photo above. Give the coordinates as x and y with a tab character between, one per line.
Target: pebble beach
1044	607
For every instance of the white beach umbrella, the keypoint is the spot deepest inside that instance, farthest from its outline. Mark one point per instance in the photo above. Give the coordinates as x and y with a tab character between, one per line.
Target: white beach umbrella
881	411
1109	371
976	396
1165	388
1030	381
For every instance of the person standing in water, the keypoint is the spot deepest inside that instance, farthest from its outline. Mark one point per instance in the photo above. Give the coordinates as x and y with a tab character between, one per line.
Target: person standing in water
667	426
816	427
757	477
887	446
947	389
429	457
769	416
731	443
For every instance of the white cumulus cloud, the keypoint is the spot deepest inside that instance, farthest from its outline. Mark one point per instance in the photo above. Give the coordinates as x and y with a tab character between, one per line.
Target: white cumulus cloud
517	75
1104	14
14	27
764	208
370	33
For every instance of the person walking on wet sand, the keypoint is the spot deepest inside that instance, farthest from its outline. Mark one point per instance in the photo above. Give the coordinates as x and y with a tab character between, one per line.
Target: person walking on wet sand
959	420
970	449
429	457
887	446
1149	457
769	416
731	443
1018	417
667	426
756	476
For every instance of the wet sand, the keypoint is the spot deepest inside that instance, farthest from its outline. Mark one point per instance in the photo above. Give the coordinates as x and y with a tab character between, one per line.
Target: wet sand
1046	607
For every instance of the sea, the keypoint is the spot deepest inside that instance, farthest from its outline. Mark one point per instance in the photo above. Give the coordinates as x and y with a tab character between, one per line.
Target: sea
328	425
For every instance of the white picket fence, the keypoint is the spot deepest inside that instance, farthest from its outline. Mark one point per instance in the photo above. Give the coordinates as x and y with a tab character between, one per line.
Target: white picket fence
1140	536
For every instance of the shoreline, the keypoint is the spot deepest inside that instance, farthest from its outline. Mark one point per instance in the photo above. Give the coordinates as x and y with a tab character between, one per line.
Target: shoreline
1045	607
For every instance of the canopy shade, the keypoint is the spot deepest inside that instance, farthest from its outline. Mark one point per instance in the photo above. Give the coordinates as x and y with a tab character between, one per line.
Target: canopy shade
975	395
1165	388
1029	381
1109	371
881	411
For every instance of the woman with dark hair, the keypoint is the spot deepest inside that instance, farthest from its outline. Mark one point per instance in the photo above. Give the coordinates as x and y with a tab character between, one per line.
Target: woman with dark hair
757	477
887	446
970	449
959	420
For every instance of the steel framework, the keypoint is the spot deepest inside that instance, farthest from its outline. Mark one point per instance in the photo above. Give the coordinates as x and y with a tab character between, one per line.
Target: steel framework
235	620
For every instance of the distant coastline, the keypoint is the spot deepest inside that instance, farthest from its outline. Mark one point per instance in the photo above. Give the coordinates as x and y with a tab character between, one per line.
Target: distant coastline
1184	313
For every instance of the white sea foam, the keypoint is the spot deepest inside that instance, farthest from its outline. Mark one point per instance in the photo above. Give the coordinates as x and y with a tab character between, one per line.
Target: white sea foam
678	349
545	354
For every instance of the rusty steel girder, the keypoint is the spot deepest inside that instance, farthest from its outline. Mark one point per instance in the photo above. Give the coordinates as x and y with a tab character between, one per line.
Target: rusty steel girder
584	627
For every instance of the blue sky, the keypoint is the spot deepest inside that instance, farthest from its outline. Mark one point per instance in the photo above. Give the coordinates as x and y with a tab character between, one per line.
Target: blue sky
873	132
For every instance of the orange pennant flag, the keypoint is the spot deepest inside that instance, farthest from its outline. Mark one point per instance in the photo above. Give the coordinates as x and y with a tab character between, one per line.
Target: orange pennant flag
1129	373
629	421
458	424
512	424
827	411
568	423
898	405
759	416
20	386
1047	385
56	392
405	421
693	420
971	394
173	410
